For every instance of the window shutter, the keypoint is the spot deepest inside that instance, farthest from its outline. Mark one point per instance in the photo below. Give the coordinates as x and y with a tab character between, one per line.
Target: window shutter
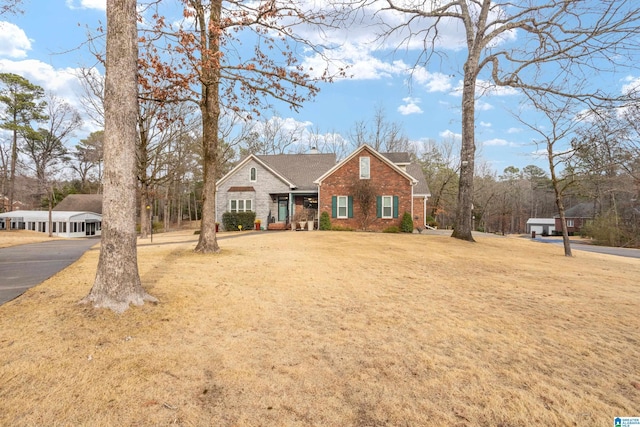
334	206
378	206
350	207
396	202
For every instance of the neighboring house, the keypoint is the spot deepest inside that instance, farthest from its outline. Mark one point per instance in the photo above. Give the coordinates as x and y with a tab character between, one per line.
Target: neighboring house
279	187
64	223
275	187
4	204
399	186
81	202
577	217
541	226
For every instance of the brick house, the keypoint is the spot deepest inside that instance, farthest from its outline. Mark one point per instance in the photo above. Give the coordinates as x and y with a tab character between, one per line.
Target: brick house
399	186
275	187
279	188
577	217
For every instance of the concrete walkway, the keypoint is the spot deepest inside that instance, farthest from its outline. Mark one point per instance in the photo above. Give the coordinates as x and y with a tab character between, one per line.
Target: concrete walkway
24	266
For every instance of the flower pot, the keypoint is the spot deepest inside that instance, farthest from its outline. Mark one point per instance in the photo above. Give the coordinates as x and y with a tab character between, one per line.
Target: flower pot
257	226
310	225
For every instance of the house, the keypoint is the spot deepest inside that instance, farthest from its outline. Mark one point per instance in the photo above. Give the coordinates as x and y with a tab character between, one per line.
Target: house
64	223
275	187
541	226
577	217
278	188
397	184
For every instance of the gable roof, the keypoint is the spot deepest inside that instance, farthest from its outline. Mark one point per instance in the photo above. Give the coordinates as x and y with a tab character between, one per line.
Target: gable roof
301	169
421	188
255	158
376	154
81	203
402	158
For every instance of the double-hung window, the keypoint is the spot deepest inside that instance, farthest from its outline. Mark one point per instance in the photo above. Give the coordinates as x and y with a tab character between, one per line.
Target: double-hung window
342	207
387	207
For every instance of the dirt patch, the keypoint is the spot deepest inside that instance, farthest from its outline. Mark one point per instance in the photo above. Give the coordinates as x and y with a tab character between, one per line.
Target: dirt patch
331	328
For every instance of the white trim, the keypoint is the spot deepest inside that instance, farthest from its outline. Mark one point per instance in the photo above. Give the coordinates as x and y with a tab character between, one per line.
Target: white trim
382	215
368	167
346	207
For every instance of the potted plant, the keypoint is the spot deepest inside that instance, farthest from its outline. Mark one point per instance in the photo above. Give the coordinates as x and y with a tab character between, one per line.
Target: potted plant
257	223
300	220
310	220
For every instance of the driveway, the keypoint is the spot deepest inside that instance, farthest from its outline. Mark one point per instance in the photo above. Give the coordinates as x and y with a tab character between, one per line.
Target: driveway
578	245
24	266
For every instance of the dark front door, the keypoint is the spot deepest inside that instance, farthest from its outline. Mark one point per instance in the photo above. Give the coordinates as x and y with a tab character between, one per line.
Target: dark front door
91	229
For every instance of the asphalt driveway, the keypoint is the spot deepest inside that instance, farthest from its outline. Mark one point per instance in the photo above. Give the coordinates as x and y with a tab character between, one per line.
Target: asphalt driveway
24	266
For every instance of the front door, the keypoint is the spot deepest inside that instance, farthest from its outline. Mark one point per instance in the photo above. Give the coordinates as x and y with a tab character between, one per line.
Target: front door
283	209
91	229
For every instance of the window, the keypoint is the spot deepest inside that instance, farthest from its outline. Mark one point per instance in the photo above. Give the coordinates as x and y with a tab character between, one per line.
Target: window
387	207
240	205
342	206
253	174
63	227
569	223
364	168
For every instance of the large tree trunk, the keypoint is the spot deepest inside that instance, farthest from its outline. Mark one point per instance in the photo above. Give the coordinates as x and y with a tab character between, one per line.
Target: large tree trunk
117	282
210	108
464	214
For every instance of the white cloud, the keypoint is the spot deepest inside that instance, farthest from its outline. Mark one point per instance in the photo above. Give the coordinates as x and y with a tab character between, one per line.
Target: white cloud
14	43
432	82
448	134
62	82
410	107
632	85
87	4
483	106
485	124
496	142
514	130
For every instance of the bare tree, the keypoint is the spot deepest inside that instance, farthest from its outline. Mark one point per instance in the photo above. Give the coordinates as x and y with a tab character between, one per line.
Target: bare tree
117	283
380	133
10	6
561	117
560	43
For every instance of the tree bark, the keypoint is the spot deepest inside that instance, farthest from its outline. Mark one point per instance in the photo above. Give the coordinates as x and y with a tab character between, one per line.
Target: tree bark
210	108
464	210
117	283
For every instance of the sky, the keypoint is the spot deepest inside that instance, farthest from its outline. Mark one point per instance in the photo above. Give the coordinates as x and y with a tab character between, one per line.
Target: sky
47	45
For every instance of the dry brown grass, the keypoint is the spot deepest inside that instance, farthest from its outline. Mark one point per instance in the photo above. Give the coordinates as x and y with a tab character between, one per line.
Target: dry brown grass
22	237
332	329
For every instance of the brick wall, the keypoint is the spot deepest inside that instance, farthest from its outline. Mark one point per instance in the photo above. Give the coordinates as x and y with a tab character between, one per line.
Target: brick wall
385	180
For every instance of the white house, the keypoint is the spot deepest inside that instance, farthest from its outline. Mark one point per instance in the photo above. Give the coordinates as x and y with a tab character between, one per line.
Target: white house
542	226
63	223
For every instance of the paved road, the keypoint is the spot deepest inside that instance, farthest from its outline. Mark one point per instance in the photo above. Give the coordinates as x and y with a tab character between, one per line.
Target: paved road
24	266
579	246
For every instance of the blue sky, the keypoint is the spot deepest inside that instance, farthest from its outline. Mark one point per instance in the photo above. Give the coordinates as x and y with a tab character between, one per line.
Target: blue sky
45	45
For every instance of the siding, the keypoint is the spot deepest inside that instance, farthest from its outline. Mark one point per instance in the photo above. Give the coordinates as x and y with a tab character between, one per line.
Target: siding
265	184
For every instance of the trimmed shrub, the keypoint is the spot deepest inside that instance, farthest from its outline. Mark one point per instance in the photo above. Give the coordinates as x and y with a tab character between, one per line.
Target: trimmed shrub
392	229
325	221
406	226
341	228
231	220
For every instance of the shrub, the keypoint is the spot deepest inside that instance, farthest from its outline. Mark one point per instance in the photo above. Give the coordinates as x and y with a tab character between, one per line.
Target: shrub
341	228
406	226
431	222
325	221
392	229
231	220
